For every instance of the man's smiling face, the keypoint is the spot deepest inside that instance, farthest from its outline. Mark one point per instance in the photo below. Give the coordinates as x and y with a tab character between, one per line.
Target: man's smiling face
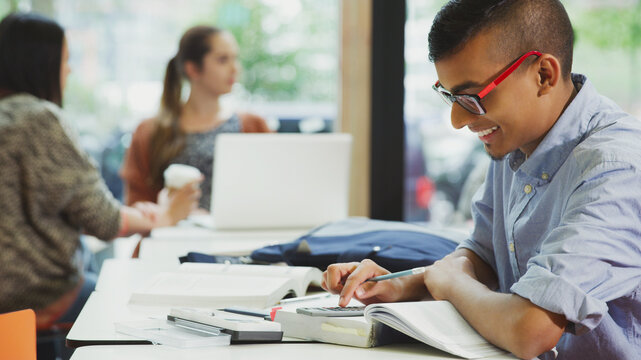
512	120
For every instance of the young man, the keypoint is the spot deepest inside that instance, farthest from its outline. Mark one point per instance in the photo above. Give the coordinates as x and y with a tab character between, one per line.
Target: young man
554	259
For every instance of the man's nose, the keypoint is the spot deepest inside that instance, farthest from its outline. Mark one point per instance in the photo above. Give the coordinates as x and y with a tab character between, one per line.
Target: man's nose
461	117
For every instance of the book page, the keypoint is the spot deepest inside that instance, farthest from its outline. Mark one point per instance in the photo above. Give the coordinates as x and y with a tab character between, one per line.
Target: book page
436	323
212	290
303	275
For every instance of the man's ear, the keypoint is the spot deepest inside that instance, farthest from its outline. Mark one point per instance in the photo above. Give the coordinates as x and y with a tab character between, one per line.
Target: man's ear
549	73
191	70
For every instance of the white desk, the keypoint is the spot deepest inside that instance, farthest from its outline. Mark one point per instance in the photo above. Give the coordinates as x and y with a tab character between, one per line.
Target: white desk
119	277
125	274
167	244
95	327
263	351
95	324
108	304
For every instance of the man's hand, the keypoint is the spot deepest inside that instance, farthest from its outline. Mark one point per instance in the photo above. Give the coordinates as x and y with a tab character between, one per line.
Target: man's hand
440	277
348	280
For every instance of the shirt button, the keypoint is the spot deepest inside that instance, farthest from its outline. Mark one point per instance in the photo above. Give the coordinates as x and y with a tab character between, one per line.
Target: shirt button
511	247
545	176
527	189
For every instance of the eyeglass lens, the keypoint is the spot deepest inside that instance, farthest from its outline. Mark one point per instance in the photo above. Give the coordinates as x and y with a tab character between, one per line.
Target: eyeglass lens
468	103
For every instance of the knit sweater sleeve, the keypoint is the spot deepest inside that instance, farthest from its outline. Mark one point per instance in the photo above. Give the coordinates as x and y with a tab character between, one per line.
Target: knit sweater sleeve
64	179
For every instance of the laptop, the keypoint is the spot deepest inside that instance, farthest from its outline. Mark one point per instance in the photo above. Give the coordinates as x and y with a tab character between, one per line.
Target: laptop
280	181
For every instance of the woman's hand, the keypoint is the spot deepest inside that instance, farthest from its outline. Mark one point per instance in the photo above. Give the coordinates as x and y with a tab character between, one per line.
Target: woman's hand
177	204
148	209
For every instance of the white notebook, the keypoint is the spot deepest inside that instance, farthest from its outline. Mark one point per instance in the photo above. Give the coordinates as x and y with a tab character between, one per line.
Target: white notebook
160	331
222	285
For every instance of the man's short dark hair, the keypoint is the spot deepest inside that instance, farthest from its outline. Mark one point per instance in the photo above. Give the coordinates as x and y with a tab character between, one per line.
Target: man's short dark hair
520	25
30	55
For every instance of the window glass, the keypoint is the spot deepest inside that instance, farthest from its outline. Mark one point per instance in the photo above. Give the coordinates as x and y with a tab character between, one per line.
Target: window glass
119	50
444	166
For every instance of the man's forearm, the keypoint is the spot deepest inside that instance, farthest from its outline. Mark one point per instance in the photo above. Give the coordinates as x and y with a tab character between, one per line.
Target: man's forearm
506	320
413	287
484	272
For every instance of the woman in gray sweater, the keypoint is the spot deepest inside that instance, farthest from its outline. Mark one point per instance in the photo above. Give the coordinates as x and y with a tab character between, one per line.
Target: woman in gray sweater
50	190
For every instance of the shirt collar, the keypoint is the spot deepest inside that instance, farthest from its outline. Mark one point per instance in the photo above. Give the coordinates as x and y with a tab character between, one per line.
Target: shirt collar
568	131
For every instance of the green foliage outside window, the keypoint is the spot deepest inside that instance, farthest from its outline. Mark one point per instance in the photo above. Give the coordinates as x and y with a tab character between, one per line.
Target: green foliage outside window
608	40
295	59
120	48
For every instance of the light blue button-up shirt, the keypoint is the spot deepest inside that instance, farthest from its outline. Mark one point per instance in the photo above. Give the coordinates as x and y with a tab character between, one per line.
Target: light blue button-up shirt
563	228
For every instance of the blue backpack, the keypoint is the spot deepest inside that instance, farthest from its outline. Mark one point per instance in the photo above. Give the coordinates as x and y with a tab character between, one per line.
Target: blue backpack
393	245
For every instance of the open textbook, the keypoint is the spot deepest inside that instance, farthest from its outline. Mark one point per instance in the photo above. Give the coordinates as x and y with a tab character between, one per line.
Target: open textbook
435	323
220	285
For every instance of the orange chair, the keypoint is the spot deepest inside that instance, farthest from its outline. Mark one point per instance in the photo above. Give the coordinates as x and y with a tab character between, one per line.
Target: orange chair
18	335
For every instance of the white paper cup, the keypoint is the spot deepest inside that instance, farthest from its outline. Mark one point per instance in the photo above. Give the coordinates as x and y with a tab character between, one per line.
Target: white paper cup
177	175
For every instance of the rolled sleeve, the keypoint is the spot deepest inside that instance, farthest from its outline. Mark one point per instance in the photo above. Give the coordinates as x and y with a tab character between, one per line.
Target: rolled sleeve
482	251
592	256
553	293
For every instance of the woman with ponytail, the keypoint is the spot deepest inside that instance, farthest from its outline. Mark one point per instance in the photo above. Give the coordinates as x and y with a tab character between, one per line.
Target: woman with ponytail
185	133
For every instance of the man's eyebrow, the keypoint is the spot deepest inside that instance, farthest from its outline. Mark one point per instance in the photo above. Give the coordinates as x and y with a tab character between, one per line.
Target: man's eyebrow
466	85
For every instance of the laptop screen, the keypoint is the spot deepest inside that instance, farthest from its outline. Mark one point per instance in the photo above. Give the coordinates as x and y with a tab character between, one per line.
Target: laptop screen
267	181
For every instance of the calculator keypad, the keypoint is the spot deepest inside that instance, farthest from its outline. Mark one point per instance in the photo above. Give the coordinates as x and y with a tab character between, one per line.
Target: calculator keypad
332	311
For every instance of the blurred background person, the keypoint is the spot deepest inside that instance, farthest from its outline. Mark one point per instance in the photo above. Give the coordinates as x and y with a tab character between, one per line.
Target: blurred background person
185	133
50	191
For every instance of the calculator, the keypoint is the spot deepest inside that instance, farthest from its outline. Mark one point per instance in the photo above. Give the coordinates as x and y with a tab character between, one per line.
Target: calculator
333	311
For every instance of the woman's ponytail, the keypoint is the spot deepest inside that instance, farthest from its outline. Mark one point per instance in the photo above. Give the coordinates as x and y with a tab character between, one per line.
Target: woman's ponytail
168	140
170	102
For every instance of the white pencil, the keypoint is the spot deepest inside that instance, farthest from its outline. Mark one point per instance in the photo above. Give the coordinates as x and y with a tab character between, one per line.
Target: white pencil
418	270
305	298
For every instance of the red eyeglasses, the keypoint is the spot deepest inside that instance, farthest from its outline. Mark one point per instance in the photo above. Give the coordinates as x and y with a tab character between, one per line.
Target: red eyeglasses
472	103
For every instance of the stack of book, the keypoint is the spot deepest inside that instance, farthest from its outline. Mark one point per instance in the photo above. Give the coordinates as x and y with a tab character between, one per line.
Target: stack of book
216	286
435	323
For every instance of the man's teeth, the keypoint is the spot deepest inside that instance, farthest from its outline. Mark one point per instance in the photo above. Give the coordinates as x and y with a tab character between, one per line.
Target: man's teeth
487	132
